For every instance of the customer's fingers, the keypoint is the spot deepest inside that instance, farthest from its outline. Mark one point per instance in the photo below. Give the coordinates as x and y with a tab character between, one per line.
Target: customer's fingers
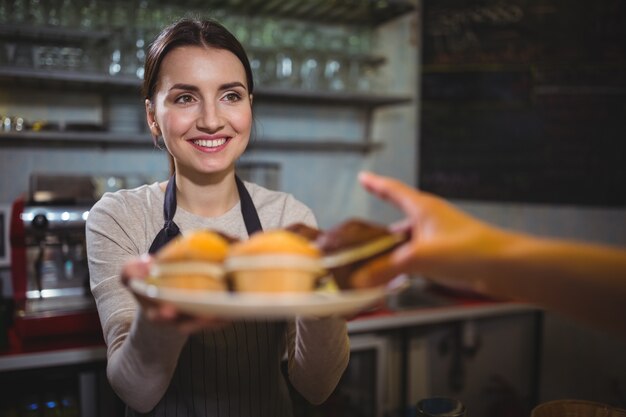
404	197
376	272
402	226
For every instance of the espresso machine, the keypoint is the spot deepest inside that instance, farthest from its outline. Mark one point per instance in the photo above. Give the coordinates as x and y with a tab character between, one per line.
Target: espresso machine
48	258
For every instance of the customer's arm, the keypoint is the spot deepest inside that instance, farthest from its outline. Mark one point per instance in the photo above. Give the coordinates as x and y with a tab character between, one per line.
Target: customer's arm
584	281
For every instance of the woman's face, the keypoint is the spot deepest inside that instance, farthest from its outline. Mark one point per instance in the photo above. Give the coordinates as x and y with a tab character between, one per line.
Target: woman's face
202	108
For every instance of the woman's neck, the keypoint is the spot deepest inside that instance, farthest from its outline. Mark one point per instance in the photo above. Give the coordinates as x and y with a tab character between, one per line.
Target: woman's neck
207	195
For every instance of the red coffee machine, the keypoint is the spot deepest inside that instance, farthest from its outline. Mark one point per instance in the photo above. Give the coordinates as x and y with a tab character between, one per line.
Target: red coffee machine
49	261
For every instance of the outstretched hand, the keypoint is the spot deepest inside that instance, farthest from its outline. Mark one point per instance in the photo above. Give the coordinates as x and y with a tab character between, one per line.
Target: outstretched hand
443	243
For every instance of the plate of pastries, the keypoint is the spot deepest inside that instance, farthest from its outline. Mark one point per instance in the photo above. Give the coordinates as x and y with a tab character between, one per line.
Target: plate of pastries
294	271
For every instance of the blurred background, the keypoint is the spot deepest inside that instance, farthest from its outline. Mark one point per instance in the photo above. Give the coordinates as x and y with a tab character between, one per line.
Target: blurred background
512	109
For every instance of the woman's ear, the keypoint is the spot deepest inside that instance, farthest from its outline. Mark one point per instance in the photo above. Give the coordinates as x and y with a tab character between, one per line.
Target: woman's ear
251	97
150	118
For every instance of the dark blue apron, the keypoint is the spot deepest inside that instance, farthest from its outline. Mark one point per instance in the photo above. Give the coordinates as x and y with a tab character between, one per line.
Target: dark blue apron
170	229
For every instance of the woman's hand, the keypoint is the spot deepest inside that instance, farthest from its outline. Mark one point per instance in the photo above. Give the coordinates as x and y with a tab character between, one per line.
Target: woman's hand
445	242
163	312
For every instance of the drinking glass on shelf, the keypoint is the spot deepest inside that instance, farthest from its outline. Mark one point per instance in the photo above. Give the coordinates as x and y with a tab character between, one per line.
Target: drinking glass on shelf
22	56
271	33
242	31
17	11
310	65
264	36
140	56
359	40
115	54
310	73
285	69
360	68
129	52
87	14
52	10
336	64
69	12
286	57
255	39
263	66
4	12
35	13
333	70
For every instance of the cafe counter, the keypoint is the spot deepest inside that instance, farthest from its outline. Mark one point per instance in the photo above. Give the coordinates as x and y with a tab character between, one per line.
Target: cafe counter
78	364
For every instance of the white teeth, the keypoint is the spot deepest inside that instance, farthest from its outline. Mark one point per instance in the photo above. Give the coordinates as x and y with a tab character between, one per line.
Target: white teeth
210	143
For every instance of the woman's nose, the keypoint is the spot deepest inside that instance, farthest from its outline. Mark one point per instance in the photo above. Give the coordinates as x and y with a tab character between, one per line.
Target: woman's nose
210	119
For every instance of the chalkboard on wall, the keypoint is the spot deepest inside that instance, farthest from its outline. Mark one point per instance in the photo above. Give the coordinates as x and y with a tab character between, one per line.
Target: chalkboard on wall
524	101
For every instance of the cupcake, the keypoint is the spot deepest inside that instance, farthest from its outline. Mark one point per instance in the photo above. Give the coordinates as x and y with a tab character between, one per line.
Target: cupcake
274	261
192	261
351	244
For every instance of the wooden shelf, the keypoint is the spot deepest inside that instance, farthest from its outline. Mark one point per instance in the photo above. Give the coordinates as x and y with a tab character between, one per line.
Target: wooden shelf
51	33
144	141
353	12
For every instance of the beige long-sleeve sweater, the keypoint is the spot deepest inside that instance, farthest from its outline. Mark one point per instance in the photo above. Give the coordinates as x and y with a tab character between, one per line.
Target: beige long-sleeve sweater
233	371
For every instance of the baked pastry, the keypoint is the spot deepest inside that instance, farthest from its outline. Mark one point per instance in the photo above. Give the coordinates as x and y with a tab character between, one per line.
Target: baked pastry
274	261
351	244
307	232
192	261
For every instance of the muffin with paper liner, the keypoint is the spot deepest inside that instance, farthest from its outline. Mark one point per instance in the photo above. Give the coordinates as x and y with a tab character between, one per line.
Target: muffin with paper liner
274	261
192	261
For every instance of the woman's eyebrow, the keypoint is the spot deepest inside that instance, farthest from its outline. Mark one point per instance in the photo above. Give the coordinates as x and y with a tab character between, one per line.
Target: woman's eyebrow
191	87
232	85
186	87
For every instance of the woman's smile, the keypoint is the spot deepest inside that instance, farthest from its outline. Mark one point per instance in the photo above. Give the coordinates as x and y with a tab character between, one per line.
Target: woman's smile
210	144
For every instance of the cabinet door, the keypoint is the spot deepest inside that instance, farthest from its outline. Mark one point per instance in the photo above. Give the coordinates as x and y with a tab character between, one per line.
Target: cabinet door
488	364
73	390
362	390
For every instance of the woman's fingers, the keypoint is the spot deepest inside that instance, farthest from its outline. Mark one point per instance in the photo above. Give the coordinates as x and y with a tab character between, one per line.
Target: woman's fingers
136	268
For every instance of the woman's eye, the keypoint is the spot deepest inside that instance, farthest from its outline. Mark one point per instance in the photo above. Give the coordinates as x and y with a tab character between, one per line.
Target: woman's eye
185	98
232	97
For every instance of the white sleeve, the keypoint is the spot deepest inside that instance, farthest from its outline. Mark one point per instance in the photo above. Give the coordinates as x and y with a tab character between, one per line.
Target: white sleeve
141	356
318	351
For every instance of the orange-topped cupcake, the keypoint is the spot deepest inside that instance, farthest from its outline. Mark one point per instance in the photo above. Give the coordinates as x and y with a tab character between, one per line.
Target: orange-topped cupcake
274	261
192	261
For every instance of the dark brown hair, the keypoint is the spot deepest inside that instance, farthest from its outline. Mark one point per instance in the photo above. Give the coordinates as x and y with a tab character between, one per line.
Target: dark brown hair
184	32
208	33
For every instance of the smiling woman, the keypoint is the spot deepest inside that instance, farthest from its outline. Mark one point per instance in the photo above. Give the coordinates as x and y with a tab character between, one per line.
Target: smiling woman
198	96
202	109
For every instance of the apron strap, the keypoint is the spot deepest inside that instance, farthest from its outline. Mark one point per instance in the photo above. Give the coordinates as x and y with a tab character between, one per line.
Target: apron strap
170	230
250	215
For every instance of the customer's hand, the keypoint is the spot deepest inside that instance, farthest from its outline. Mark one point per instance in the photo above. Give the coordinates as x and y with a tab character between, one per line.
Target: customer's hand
163	312
444	244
